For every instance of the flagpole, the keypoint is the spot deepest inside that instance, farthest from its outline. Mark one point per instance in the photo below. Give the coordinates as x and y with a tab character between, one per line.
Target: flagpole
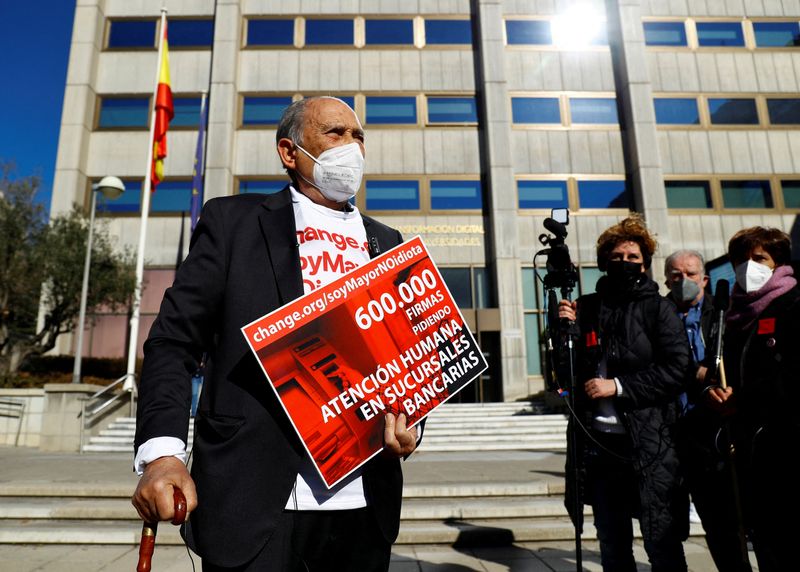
133	342
196	205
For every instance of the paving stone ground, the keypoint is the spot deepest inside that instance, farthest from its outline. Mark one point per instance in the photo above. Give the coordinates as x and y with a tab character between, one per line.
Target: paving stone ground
24	465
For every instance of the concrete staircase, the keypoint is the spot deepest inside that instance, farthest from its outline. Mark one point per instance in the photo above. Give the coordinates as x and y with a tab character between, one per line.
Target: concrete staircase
452	427
484	513
484	507
48	512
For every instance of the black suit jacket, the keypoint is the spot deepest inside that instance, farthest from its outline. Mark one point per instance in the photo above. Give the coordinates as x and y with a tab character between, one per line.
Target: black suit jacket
243	262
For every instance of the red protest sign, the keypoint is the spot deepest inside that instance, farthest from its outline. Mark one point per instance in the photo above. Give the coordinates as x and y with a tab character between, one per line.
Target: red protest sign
385	338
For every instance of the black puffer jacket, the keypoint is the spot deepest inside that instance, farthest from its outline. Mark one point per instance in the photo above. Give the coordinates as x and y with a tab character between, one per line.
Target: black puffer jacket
646	349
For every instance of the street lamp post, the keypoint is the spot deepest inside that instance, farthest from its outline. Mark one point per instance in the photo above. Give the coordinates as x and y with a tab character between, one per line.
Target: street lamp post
112	188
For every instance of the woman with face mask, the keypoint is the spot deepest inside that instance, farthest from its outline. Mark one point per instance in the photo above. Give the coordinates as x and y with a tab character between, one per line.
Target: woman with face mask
632	355
762	366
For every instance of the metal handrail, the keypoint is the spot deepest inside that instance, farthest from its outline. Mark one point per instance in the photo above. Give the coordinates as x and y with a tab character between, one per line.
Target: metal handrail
108	388
13	408
87	414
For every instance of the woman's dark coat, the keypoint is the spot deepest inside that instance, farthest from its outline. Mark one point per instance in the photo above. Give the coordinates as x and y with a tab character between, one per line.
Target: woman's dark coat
647	350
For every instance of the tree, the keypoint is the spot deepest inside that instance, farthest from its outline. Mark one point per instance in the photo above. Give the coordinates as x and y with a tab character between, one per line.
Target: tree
41	271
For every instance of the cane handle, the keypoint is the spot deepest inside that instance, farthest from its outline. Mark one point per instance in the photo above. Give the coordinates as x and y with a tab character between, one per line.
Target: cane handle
149	530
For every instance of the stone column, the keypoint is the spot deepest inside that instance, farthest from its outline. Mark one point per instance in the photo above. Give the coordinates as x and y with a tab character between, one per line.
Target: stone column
503	238
638	122
70	180
223	102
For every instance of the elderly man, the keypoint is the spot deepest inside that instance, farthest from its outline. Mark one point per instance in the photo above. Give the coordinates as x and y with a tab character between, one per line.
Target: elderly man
707	470
255	501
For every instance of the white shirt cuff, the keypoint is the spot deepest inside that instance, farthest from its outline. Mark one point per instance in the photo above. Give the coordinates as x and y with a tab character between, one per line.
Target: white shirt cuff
619	386
156	448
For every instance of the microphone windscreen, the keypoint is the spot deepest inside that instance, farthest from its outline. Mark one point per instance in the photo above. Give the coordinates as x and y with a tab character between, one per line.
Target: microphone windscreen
555	227
722	296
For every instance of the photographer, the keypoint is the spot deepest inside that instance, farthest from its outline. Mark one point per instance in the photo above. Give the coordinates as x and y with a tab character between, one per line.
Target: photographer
631	358
762	363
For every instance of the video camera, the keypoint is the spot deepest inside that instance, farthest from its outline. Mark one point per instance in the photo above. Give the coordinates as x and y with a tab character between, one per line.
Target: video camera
561	272
561	275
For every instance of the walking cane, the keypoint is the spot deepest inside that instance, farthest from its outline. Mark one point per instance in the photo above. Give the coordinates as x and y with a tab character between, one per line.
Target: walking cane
149	530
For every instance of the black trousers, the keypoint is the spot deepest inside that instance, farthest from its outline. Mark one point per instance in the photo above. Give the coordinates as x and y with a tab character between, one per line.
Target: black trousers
614	490
772	502
709	475
311	541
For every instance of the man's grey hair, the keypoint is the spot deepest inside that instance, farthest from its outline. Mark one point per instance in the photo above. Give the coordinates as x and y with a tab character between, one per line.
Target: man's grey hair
680	254
293	119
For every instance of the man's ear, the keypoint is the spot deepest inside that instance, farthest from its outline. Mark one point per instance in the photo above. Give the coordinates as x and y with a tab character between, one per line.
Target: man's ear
287	151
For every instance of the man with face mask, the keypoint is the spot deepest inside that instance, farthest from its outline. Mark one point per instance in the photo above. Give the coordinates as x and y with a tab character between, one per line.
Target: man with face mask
707	470
255	501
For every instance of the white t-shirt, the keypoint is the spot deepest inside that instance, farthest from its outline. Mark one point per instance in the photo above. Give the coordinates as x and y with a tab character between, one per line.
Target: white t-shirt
331	244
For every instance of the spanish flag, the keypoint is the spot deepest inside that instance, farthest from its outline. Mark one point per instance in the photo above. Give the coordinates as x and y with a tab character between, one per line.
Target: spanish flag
164	112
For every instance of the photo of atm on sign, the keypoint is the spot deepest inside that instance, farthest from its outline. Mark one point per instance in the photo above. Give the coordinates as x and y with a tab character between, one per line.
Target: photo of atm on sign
385	338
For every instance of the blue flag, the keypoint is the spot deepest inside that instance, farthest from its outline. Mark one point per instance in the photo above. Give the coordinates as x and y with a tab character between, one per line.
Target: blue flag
199	166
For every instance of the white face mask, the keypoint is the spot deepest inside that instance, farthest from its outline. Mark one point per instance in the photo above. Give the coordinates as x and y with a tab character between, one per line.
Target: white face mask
337	171
751	276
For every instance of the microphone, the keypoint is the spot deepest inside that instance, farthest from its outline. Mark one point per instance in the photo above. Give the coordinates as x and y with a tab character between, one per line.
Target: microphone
722	298
374	247
557	228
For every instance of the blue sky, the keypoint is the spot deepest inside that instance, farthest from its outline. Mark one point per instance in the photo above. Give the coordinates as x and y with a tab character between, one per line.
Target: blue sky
34	41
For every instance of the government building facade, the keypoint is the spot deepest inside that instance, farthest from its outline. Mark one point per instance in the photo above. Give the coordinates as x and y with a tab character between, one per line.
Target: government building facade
481	116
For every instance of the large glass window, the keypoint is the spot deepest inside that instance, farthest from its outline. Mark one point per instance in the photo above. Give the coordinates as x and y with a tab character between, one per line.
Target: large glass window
187	112
746	195
542	194
589	277
594	110
263	186
784	111
452	110
128	202
676	111
172	196
665	34
460	286
456	195
392	195
713	34
191	33
528	33
391	110
439	32
777	34
124	112
264	110
270	32
535	110
329	32
728	111
688	194
603	195
532	349
482	288
132	34
389	32
791	194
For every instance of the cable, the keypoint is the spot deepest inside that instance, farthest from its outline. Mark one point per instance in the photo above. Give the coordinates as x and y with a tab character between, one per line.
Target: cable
576	418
